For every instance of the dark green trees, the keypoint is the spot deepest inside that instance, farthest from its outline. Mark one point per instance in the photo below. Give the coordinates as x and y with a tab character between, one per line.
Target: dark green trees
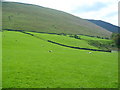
116	38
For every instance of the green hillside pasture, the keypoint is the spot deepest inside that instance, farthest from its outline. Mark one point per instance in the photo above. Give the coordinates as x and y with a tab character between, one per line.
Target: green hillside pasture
65	40
27	63
99	43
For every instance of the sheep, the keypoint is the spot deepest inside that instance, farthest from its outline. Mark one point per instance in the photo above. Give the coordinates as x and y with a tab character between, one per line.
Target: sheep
89	52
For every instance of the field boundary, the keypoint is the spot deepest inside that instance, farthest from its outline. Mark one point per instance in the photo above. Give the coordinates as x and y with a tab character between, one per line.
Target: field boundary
53	33
78	47
23	31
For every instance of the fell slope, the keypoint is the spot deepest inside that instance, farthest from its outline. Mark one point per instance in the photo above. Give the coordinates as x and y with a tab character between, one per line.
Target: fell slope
107	26
36	18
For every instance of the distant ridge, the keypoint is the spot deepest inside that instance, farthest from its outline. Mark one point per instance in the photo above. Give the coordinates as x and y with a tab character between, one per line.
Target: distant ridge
106	25
19	16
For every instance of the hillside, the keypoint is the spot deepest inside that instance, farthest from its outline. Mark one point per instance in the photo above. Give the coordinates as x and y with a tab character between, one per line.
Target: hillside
27	63
19	16
106	25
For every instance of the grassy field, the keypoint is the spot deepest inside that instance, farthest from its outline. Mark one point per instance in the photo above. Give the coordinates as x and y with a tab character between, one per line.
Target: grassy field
106	44
27	63
83	42
41	19
65	40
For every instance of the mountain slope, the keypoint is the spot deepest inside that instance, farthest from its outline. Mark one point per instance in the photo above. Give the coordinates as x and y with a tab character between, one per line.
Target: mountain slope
36	18
107	26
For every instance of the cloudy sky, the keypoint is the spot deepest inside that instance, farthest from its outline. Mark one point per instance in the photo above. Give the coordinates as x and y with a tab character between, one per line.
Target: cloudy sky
106	10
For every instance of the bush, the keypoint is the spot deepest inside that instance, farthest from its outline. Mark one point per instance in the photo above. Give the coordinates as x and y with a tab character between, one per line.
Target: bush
76	36
116	38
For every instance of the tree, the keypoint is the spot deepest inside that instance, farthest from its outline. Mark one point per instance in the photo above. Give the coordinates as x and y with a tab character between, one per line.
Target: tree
76	36
116	38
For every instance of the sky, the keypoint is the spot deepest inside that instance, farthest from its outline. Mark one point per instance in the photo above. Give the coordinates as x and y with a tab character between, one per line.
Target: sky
106	10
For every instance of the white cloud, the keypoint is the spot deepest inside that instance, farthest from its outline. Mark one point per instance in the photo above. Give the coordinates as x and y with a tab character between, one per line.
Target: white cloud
103	14
71	5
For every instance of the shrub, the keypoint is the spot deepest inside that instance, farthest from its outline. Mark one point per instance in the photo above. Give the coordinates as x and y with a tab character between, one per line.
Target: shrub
76	36
116	38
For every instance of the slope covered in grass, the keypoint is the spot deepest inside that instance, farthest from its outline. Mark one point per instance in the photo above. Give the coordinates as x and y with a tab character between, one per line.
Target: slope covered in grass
104	44
28	64
65	40
37	18
83	41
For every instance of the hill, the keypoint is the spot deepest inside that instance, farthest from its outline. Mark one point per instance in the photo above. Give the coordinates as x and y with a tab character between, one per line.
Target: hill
27	63
106	25
19	16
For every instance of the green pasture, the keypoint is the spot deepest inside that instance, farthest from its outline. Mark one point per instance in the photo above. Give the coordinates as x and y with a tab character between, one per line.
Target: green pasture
105	44
83	42
27	63
65	40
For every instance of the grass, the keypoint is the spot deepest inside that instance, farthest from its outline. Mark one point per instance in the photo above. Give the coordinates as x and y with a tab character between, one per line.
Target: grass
28	64
37	18
105	44
83	42
65	40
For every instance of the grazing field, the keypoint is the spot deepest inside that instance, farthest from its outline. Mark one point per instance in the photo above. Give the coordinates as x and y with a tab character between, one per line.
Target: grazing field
105	44
30	62
65	40
83	41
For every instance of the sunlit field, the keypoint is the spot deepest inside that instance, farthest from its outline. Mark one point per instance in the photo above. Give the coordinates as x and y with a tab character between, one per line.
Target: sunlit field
30	62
